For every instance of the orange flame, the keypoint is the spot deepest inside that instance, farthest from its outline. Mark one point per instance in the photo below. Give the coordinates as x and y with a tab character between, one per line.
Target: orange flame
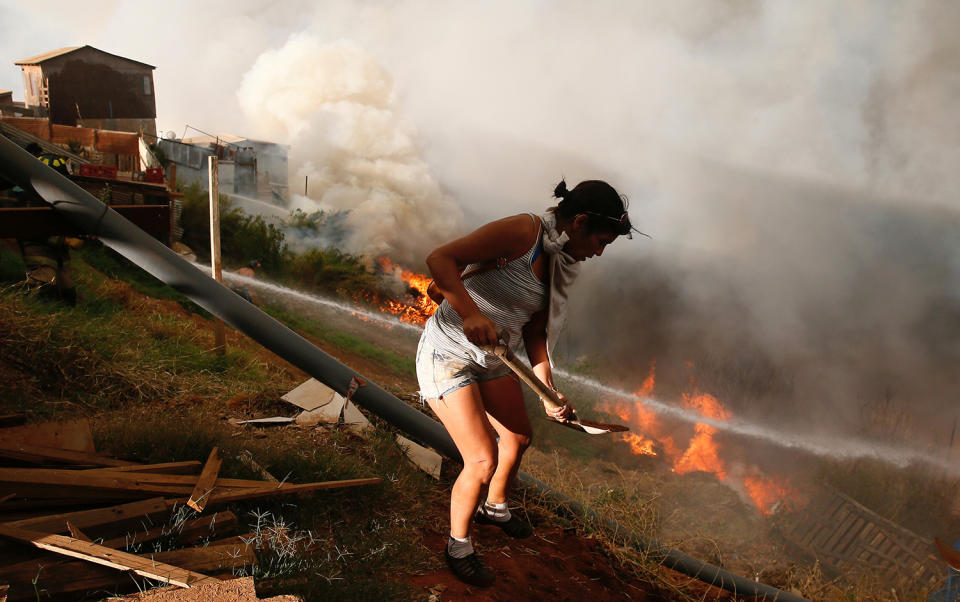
415	307
420	306
702	452
640	445
767	493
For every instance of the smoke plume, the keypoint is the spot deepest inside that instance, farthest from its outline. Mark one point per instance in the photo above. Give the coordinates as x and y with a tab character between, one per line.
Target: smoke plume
334	103
794	163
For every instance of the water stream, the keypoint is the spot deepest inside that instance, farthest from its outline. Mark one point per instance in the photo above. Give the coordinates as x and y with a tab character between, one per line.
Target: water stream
833	446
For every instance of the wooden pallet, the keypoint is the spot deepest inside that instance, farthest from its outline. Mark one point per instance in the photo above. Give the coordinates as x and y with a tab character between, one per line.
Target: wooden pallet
848	537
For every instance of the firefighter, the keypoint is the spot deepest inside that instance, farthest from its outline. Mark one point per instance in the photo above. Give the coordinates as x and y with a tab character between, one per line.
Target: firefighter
47	260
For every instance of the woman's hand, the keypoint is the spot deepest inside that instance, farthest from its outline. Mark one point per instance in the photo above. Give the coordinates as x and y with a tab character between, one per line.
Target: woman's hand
480	330
561	414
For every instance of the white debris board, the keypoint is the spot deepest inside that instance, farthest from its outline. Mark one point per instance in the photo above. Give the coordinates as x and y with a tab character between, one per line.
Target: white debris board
425	459
310	395
354	420
328	413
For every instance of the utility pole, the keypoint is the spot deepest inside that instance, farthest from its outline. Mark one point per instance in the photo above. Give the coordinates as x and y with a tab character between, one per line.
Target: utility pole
219	333
306	180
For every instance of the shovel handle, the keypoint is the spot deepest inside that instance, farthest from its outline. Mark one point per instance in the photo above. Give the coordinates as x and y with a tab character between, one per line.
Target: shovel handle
548	395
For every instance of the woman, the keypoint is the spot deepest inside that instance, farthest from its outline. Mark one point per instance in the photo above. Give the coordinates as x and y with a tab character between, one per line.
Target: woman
515	291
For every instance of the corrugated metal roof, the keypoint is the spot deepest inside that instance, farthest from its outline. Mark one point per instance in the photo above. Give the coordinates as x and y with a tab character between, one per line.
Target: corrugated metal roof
40	58
227	139
207	139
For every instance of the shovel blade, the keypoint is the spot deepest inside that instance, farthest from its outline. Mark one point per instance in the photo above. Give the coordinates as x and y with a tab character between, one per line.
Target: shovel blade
589	427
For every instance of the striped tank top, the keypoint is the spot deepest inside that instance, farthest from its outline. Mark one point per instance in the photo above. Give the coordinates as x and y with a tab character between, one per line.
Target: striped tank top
508	296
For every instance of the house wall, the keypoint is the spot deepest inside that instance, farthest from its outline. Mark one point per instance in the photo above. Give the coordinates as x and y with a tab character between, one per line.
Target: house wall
93	86
145	126
32	83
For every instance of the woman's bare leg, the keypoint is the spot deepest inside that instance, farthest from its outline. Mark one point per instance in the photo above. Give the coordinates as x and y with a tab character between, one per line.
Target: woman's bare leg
462	413
503	400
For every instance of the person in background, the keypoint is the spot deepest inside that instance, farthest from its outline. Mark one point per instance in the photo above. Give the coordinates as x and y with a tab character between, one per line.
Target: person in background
507	280
47	260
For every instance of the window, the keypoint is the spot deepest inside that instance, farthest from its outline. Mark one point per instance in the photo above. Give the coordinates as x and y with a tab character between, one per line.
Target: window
146	84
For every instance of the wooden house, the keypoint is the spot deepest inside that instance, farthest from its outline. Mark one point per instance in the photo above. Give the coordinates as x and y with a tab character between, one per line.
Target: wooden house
85	86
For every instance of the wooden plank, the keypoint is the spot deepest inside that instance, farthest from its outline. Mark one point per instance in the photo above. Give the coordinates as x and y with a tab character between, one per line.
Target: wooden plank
222	496
206	481
16	509
852	535
59	483
177	480
188	467
39	454
841	525
61	578
189	532
72	434
8	420
247	459
119	517
116	559
54	566
77	533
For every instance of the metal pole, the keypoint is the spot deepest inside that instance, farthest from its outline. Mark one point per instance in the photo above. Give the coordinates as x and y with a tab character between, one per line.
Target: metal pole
219	332
306	179
84	211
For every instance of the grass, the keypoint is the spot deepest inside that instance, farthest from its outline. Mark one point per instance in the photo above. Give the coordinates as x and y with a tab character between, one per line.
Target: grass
149	363
400	364
111	264
329	537
150	358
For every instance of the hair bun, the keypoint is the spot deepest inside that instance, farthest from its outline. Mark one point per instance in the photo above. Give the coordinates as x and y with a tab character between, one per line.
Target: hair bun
561	191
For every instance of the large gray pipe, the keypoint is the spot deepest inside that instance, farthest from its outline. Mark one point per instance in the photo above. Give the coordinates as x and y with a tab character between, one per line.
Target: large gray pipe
86	212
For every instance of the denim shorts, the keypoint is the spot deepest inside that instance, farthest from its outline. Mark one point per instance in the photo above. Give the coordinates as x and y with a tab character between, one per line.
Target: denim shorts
439	373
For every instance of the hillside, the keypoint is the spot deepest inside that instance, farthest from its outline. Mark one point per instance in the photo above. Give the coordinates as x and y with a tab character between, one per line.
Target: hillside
137	366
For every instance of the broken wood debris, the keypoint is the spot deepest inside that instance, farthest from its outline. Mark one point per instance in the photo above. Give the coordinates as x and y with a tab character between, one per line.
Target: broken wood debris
78	550
271	421
246	458
85	550
205	482
39	454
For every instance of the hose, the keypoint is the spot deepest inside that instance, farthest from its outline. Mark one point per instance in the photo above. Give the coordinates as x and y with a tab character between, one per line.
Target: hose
90	215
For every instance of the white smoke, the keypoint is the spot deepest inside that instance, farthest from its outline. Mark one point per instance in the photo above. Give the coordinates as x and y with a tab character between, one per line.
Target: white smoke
755	140
334	103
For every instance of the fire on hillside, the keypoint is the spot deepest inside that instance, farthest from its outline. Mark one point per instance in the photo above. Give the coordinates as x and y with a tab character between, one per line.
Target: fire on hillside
419	306
650	436
702	451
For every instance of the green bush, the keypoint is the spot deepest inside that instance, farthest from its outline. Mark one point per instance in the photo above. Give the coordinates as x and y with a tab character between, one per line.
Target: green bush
243	238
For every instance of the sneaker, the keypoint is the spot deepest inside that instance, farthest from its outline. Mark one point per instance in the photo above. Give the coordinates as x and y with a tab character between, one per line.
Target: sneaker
470	569
514	527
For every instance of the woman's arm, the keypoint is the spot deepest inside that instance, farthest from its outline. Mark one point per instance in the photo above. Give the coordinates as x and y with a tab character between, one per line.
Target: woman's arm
508	237
535	342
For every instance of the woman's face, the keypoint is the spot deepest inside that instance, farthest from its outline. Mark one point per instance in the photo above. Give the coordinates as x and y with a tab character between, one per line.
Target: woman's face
584	243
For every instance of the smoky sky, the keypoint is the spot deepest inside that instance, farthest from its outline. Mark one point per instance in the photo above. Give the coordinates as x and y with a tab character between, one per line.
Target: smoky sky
795	163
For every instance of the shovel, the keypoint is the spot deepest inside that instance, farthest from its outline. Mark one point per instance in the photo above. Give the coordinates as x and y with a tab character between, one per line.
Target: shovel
549	396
